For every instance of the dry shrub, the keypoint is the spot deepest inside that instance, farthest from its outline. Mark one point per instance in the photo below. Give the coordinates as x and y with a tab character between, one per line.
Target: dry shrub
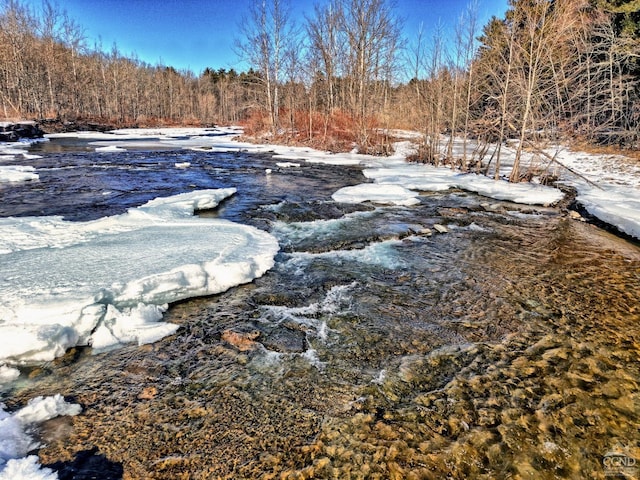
583	145
256	124
374	139
328	130
143	121
11	114
422	155
337	131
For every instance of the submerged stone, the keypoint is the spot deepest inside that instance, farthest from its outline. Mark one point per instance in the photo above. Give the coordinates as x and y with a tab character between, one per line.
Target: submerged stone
285	340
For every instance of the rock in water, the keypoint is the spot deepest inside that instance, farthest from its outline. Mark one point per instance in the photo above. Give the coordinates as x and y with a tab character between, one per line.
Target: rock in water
242	341
576	216
12	132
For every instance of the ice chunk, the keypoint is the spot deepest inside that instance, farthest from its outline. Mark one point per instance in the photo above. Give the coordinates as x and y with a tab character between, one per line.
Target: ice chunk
16	440
378	193
17	173
26	468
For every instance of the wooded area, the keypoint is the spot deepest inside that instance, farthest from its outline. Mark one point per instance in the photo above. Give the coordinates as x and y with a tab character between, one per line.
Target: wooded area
551	69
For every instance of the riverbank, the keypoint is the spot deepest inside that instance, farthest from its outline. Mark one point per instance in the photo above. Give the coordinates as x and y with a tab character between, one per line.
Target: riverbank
607	186
15	131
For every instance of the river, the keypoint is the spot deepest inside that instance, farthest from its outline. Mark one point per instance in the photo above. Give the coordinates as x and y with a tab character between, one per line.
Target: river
505	348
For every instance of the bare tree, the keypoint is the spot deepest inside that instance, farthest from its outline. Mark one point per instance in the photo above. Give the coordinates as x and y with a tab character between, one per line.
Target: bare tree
437	80
17	34
265	31
372	33
466	34
602	85
525	63
326	45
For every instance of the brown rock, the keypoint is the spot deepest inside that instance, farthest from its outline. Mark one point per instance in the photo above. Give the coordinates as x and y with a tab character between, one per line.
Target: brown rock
148	393
242	341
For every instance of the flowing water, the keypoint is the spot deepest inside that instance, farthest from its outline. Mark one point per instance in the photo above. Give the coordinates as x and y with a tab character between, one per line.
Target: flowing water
506	348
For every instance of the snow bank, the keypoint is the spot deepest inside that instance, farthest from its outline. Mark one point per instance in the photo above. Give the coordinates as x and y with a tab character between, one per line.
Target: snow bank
618	206
616	198
108	281
429	178
16	440
526	193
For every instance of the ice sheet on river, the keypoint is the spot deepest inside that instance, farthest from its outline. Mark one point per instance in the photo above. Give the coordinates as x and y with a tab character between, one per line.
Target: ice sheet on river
377	193
429	178
17	173
108	281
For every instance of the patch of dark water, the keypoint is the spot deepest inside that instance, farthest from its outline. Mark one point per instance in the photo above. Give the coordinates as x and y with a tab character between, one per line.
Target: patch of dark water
88	465
506	348
87	186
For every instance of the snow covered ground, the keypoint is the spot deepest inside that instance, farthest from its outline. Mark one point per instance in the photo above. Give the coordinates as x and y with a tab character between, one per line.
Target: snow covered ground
614	194
70	283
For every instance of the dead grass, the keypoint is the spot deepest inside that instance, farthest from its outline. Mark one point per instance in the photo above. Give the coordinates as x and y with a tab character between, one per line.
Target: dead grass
335	132
584	146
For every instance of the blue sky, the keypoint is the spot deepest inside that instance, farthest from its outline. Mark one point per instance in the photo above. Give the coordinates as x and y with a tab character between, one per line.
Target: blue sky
195	34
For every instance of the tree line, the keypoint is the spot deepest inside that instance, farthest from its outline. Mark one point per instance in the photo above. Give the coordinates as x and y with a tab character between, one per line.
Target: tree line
550	69
49	71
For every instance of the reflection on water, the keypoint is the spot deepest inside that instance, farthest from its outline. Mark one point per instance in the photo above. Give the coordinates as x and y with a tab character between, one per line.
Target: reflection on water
506	348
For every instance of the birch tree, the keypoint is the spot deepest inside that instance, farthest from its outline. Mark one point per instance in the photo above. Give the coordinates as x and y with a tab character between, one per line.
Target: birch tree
326	46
